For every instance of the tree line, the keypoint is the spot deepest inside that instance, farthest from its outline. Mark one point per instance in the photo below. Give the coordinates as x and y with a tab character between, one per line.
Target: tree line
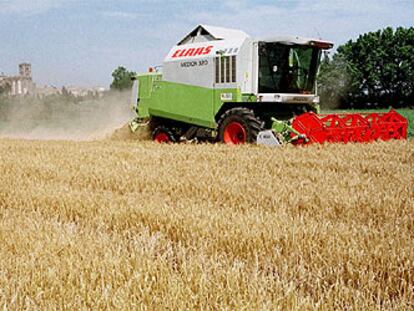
374	71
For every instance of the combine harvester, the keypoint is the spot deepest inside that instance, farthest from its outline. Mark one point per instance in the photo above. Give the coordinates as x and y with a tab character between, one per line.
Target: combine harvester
219	84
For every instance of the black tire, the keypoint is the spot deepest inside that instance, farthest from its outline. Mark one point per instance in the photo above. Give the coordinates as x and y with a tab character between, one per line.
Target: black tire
245	119
163	134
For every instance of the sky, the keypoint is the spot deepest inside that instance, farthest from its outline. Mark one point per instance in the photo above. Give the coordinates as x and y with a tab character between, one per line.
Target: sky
80	42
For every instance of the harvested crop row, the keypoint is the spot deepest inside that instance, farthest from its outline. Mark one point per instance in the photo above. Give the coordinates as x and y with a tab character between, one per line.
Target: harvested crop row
126	224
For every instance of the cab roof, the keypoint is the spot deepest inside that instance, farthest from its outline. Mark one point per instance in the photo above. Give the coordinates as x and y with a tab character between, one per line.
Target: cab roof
206	33
296	40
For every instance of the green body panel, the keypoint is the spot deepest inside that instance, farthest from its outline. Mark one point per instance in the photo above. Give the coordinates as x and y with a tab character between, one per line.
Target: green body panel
192	104
181	102
145	88
236	96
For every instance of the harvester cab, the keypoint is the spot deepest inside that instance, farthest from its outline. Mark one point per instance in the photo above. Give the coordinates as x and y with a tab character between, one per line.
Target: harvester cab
221	84
287	69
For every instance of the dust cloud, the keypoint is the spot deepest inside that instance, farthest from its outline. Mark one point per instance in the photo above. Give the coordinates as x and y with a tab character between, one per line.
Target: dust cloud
60	118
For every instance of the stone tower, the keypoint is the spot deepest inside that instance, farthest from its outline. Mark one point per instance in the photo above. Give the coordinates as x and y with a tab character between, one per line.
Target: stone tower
25	71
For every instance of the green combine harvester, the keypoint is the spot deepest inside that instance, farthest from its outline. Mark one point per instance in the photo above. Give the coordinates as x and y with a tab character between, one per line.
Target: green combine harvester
220	84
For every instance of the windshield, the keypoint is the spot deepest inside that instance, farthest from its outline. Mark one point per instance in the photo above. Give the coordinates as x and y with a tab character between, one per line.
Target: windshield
287	68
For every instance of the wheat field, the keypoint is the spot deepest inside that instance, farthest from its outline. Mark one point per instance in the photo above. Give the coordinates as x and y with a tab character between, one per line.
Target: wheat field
136	225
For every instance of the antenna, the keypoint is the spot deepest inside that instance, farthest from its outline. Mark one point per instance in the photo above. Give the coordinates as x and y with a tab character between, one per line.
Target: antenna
317	33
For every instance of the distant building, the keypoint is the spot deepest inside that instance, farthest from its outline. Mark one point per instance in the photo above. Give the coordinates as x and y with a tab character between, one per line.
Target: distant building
85	91
23	84
25	70
19	85
47	90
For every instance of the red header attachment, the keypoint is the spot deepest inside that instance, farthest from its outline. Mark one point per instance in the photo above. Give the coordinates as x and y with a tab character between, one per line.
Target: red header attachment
352	127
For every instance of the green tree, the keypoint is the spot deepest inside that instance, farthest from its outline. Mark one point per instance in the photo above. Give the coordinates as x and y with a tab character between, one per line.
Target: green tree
122	79
376	70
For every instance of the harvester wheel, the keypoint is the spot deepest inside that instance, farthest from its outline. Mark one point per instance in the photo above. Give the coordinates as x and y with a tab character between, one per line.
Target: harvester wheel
162	134
239	126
